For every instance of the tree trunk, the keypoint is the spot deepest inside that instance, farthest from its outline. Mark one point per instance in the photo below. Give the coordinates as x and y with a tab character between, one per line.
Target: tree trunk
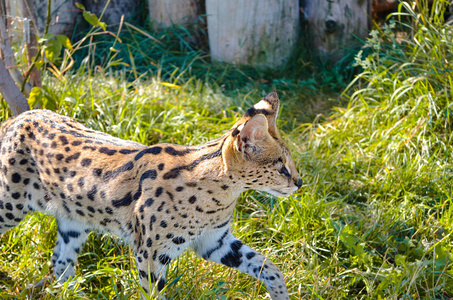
115	9
64	16
32	43
337	26
7	53
11	93
262	33
168	12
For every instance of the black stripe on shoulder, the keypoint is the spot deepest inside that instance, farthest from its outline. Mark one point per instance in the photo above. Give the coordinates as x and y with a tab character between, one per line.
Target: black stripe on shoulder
152	150
172	151
174	173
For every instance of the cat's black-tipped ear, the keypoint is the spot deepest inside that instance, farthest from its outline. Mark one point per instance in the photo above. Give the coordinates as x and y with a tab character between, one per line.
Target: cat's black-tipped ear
268	107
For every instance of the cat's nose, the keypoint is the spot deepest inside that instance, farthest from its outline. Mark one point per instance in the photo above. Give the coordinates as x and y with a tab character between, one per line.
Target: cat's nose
298	182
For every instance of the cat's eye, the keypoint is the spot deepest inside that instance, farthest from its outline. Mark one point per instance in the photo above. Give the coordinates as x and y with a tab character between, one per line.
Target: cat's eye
284	171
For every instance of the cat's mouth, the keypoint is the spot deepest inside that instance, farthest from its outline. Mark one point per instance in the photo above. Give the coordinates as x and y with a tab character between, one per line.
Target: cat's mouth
281	193
278	193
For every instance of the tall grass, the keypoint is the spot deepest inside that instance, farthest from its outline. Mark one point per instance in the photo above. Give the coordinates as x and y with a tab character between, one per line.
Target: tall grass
387	157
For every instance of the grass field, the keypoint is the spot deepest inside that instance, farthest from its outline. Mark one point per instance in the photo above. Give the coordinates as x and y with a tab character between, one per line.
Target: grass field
374	219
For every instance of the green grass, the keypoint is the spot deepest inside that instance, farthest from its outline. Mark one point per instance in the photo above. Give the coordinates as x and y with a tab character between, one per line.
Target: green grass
374	219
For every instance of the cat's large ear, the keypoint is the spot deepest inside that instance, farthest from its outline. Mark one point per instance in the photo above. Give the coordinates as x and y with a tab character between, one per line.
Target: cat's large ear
252	135
268	107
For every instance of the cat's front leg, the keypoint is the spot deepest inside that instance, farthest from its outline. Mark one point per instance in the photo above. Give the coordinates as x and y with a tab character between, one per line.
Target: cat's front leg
222	247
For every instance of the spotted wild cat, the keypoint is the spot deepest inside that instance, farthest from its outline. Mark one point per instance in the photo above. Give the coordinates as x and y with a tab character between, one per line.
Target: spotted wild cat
161	199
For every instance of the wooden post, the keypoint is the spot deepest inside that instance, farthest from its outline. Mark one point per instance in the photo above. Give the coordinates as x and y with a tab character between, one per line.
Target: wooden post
262	33
64	16
114	10
335	26
11	93
168	12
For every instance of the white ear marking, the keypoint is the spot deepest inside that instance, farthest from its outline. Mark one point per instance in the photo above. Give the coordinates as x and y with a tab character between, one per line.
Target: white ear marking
262	105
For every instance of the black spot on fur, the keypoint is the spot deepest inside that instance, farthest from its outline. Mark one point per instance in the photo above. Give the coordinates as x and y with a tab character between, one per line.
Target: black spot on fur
233	258
68	234
16	177
160	284
85	162
164	259
178	240
149	202
63	139
127	151
75	156
159	191
107	151
92	193
97	172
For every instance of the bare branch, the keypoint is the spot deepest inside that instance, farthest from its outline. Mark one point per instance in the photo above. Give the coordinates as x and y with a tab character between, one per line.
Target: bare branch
11	92
8	54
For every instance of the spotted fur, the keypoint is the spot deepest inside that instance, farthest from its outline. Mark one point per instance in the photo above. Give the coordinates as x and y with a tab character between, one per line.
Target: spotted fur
161	199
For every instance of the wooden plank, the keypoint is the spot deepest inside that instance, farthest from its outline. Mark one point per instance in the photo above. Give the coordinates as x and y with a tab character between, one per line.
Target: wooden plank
336	26
168	12
262	33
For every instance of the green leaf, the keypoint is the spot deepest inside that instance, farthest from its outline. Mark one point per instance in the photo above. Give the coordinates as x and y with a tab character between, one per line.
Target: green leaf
46	37
93	19
35	96
103	25
400	260
53	50
39	64
80	6
64	40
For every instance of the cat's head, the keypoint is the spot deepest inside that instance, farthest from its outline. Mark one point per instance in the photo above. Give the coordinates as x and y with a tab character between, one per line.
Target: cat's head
259	154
